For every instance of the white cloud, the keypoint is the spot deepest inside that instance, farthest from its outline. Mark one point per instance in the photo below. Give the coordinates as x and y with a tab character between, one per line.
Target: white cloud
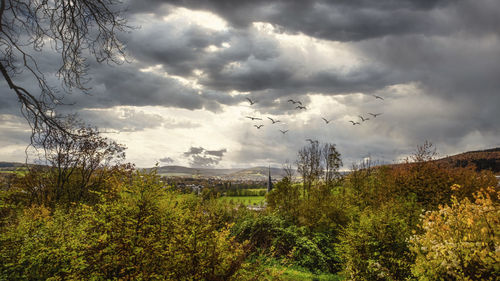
201	18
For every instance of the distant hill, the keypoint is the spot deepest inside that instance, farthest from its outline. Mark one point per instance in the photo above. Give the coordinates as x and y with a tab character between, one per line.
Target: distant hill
253	173
9	165
258	173
186	171
488	159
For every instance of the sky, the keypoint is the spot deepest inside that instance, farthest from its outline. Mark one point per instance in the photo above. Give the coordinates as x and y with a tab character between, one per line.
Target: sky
182	97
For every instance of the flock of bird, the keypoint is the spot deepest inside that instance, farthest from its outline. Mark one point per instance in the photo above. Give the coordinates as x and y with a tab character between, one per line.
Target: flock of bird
299	106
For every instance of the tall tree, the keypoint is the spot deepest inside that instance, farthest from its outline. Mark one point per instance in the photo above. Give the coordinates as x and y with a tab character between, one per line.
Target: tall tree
318	162
332	162
309	165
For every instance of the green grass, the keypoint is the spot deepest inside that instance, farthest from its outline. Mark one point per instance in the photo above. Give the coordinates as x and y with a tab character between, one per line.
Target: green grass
258	189
247	200
18	172
294	274
299	274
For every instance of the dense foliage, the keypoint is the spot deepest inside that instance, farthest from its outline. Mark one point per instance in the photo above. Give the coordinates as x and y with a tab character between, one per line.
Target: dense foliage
418	220
460	241
139	235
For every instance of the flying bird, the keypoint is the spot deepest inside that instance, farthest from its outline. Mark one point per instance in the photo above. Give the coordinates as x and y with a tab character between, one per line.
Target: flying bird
294	102
283	132
258	127
363	119
354	123
374	114
378	97
253	118
250	101
326	121
301	107
272	120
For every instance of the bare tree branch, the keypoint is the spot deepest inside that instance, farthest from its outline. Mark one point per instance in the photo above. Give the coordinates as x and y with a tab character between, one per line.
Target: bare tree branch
76	29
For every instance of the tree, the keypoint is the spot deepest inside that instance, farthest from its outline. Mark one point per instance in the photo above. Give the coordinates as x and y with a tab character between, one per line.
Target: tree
309	165
315	161
460	241
75	29
285	197
374	246
424	153
72	163
332	162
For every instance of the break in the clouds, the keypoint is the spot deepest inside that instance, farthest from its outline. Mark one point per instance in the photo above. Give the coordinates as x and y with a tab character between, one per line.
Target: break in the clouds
193	64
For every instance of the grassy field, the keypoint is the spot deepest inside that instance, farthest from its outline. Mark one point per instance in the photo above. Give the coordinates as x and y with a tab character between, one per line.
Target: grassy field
300	274
20	172
296	275
247	200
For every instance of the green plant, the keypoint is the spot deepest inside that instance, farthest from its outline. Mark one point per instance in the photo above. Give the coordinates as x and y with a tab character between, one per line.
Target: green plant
375	246
460	241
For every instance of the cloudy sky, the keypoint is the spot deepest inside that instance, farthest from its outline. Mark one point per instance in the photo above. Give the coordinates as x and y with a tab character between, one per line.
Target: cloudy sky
182	98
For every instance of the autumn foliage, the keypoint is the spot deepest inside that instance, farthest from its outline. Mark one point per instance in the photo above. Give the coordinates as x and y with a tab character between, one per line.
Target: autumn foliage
460	241
422	219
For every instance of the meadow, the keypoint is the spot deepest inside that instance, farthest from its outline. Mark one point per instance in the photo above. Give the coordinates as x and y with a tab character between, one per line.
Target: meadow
245	200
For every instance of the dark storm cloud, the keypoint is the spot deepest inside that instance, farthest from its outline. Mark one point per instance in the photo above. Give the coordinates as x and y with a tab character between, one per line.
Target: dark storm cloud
249	62
167	160
194	150
126	85
398	31
396	27
182	49
447	49
175	45
335	20
459	73
218	153
199	161
200	157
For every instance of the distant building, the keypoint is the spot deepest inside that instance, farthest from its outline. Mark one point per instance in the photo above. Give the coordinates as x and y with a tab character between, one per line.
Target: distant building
269	181
195	188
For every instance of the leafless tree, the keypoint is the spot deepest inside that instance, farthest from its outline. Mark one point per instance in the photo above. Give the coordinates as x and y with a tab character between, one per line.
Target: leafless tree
288	170
316	163
423	153
71	163
332	162
76	30
309	165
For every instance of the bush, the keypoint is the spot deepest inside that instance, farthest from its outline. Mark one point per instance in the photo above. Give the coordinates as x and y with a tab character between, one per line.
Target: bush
147	233
273	235
375	246
460	241
431	182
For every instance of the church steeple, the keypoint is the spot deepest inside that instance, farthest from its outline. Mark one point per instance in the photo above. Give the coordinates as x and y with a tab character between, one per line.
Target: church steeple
269	181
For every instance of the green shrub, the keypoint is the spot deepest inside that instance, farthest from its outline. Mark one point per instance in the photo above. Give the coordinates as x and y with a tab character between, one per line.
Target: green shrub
274	235
147	233
375	246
